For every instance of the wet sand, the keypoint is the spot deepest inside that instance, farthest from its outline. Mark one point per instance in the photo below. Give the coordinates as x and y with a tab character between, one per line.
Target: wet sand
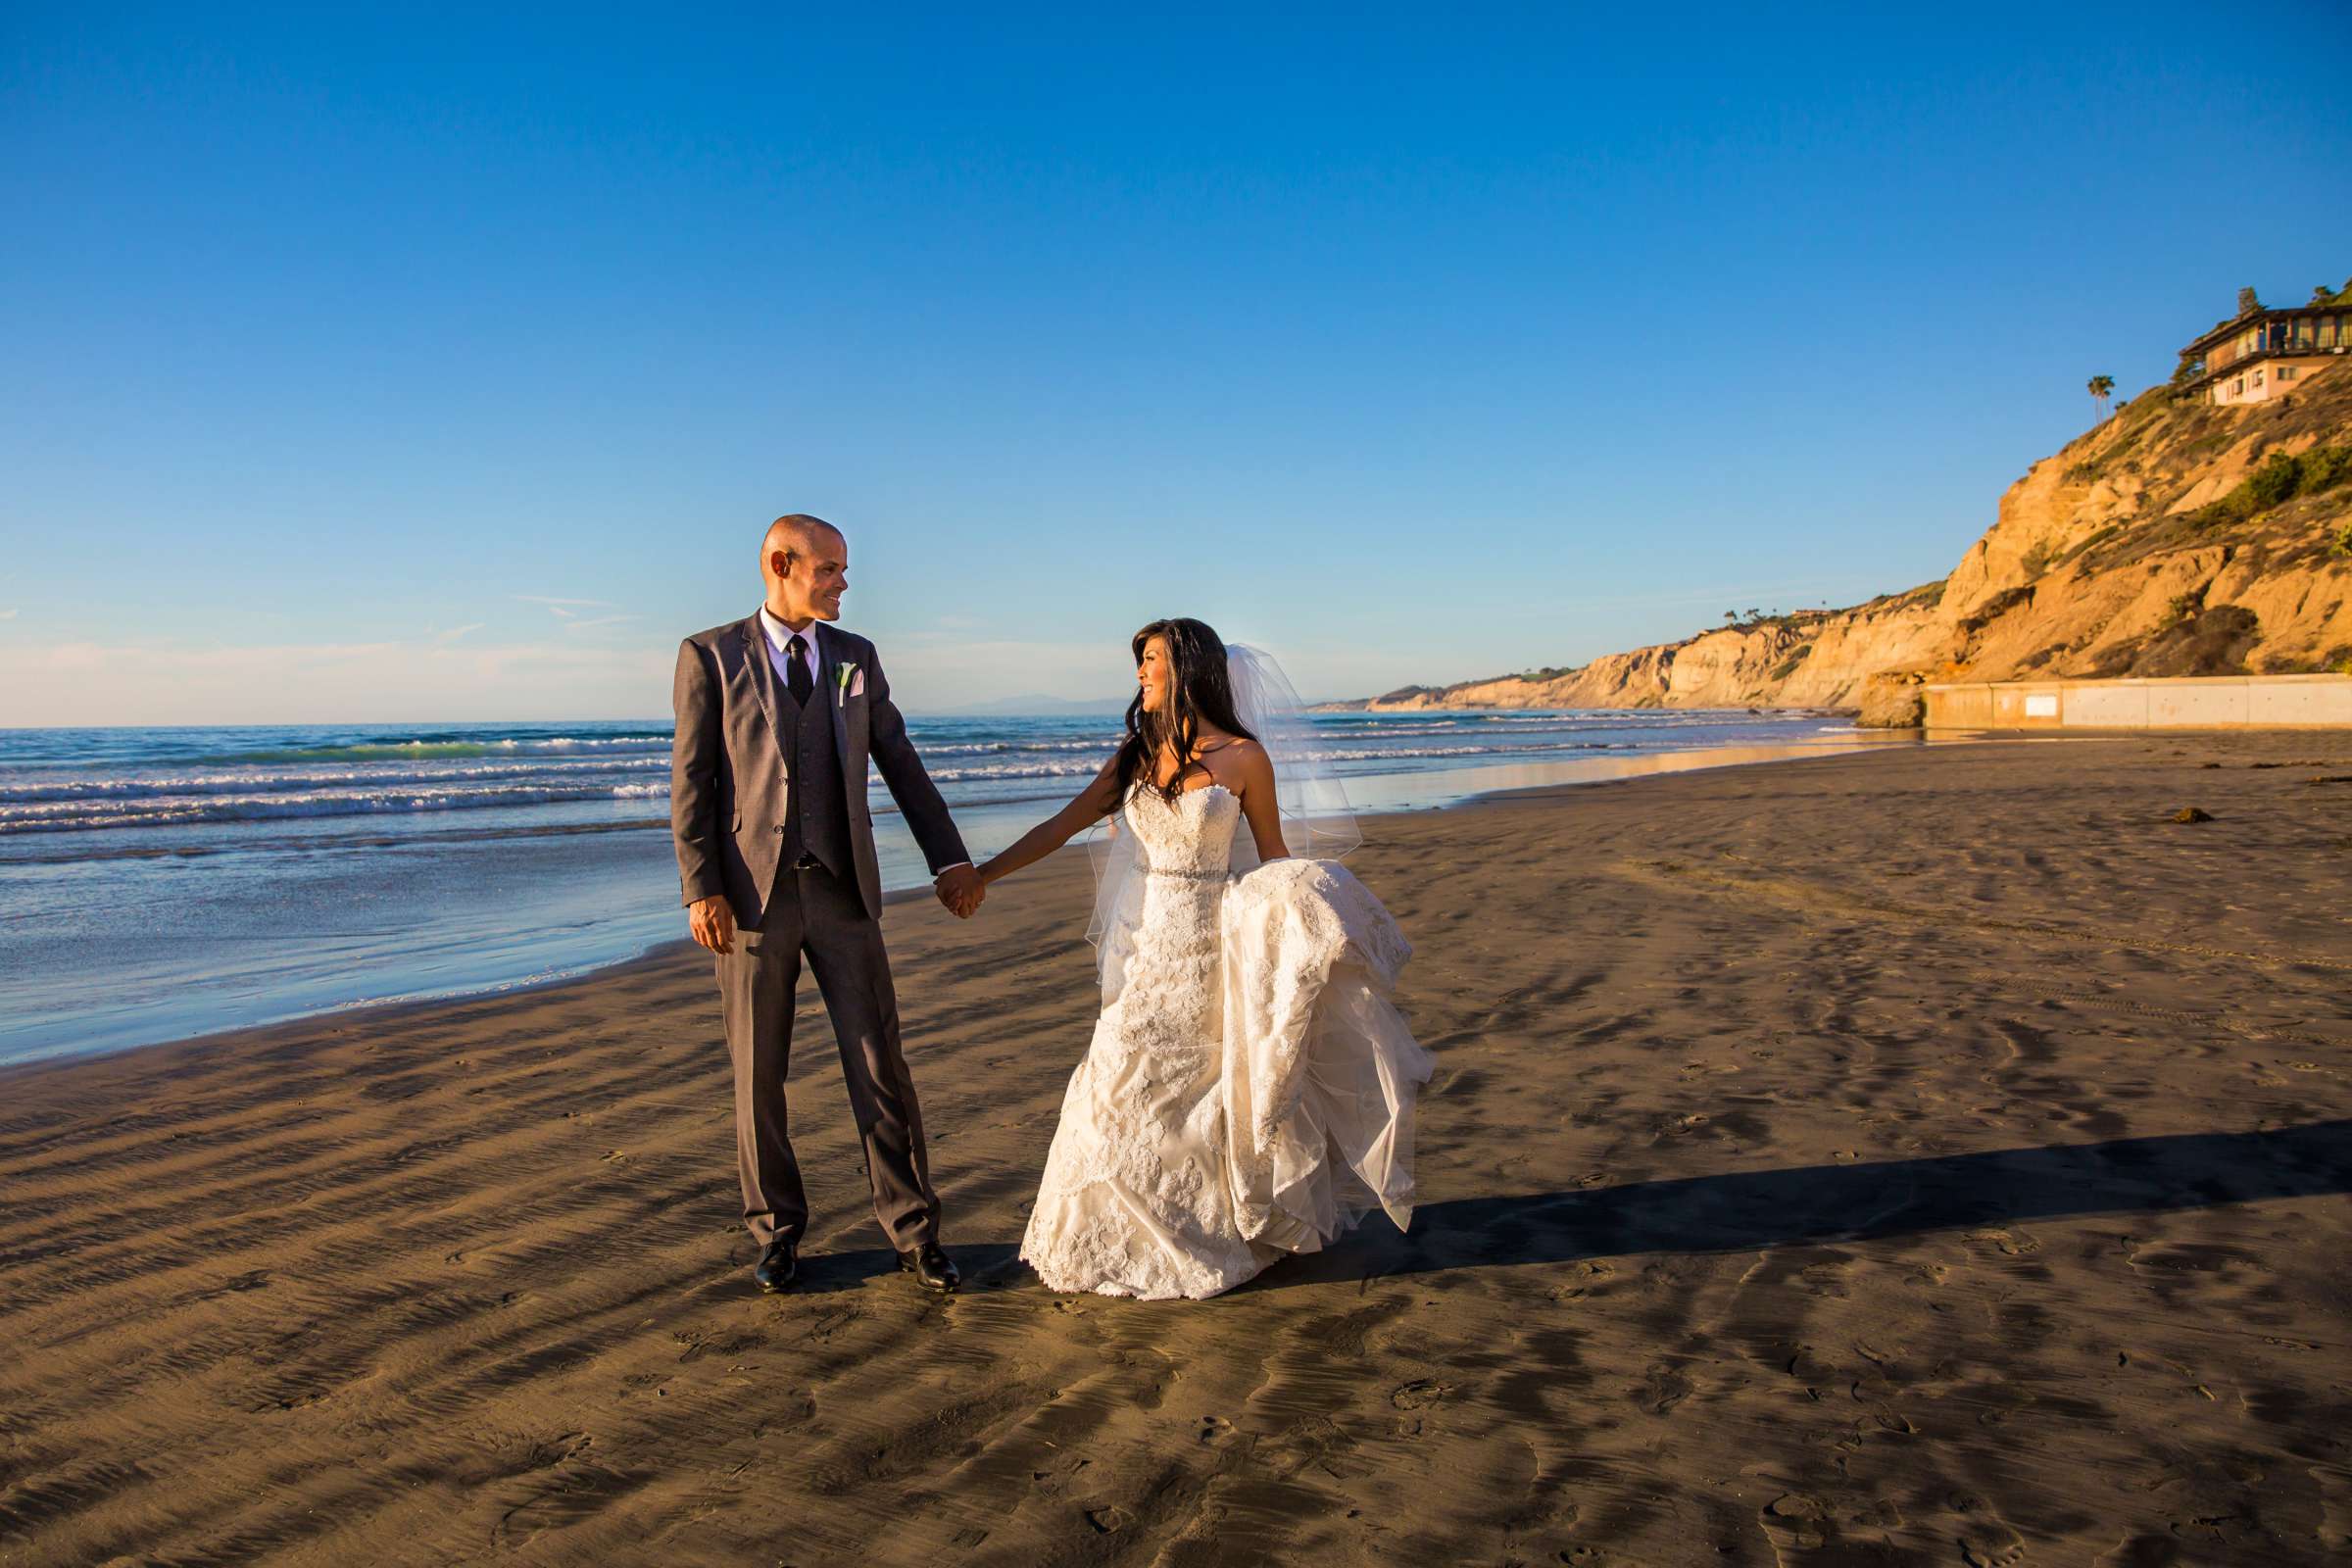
1914	1156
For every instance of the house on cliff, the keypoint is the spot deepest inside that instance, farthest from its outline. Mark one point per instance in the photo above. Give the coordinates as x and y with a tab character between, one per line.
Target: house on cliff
2261	354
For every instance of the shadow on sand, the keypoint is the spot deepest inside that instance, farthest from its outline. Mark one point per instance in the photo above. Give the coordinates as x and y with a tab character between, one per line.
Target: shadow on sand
1746	1211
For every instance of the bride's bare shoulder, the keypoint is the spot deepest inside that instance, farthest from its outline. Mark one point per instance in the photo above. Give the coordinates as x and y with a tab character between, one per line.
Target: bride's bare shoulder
1239	763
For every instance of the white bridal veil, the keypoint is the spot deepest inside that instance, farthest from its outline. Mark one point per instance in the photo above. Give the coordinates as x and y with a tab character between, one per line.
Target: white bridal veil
1317	823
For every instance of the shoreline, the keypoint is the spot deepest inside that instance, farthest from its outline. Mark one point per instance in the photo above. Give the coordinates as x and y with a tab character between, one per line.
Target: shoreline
1604	769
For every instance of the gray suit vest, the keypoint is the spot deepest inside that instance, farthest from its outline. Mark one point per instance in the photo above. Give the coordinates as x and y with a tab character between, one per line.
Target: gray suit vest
816	819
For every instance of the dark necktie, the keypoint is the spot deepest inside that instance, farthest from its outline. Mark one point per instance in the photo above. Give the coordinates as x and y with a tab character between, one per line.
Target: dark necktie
795	668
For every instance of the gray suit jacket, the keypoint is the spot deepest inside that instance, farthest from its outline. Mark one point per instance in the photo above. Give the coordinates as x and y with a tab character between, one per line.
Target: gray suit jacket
728	778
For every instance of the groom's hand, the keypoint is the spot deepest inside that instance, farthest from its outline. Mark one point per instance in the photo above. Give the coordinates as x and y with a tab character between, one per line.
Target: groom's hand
960	889
712	923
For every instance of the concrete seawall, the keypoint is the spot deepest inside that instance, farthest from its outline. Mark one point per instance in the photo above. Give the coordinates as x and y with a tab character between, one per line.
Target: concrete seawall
2221	702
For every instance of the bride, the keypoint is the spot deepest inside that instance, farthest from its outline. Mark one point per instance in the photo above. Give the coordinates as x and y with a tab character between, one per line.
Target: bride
1249	1087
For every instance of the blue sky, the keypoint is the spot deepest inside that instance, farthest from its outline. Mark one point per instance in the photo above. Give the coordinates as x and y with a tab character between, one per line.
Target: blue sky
416	366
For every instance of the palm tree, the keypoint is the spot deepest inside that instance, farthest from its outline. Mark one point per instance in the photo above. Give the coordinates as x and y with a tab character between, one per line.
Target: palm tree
2100	389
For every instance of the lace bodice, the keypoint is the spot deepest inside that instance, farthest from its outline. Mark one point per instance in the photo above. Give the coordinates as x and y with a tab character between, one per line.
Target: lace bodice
1191	836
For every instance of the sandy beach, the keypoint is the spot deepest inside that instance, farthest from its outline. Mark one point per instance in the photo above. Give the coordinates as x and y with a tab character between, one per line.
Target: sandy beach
1926	1156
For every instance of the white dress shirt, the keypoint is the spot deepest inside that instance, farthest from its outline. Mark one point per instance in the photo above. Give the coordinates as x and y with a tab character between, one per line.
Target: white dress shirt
779	647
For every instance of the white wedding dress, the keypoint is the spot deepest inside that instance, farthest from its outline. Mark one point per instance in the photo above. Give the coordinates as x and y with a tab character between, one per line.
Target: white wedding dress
1249	1087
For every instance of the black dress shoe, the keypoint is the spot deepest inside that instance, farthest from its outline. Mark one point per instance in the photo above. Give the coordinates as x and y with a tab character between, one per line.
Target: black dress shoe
929	1264
776	1267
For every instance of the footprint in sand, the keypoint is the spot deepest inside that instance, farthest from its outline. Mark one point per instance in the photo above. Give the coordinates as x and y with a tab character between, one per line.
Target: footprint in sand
2016	1244
1796	1521
1984	1538
1420	1394
1991	1545
1586	1278
1662	1389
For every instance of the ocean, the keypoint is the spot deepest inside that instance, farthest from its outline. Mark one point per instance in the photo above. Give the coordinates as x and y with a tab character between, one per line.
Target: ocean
162	883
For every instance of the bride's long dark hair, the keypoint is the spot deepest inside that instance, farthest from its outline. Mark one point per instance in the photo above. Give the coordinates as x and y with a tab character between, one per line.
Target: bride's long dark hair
1199	687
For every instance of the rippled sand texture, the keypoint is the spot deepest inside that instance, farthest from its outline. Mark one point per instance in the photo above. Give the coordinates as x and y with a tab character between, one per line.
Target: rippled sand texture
1918	1157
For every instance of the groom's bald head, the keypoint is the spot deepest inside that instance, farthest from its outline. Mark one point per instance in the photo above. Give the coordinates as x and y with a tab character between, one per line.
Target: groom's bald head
797	533
806	562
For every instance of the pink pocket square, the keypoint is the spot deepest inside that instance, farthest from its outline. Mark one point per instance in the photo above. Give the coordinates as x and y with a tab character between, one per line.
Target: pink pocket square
857	683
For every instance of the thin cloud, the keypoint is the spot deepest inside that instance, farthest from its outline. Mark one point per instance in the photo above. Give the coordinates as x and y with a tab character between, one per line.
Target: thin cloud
565	609
8	614
456	632
595	620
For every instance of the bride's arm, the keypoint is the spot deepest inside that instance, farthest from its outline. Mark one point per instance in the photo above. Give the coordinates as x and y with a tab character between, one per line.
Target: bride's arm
1259	806
1089	806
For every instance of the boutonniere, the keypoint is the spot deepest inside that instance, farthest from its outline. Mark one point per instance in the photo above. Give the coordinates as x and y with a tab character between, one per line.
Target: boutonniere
851	679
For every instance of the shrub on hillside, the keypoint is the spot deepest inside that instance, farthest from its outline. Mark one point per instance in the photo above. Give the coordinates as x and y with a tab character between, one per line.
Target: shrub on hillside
2279	480
2326	467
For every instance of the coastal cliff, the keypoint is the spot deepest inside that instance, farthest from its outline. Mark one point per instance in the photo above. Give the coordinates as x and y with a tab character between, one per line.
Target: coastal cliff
2177	538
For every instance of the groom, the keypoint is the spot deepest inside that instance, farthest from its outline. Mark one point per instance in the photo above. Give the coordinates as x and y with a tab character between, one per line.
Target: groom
777	714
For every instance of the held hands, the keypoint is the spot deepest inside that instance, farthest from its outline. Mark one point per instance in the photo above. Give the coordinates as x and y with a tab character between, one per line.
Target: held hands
960	890
712	923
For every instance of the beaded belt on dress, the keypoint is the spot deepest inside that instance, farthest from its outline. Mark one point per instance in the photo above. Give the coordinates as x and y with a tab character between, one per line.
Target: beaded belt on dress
1187	876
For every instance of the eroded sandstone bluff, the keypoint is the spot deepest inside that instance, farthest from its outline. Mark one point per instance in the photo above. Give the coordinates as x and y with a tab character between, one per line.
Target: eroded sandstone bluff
2177	538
